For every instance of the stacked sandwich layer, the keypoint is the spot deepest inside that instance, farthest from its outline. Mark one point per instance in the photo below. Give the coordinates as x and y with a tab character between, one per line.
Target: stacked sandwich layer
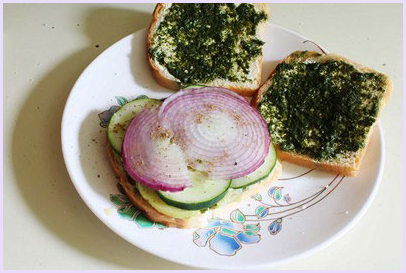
200	148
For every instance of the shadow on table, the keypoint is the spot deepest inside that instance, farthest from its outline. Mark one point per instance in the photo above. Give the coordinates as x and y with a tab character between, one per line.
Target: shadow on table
46	187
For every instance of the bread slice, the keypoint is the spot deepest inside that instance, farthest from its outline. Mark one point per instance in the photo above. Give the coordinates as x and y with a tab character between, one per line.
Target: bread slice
199	219
166	79
345	164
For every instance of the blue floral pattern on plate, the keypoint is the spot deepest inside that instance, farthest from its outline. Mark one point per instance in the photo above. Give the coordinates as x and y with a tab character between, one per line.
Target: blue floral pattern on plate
226	237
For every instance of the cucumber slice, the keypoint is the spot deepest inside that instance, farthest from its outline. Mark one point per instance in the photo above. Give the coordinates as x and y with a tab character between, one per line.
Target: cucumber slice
203	193
158	204
259	174
120	120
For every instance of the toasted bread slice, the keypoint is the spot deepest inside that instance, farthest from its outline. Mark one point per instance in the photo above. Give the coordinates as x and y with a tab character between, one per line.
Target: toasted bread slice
199	219
164	77
347	164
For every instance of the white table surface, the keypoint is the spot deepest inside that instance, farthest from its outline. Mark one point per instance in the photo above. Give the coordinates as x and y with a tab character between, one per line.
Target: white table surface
47	46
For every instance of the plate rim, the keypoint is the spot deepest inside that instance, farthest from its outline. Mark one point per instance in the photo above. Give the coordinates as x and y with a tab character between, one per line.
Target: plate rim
348	226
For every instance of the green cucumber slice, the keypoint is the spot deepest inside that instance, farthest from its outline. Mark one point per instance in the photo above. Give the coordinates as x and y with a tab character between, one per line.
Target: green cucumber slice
120	120
203	193
157	203
262	172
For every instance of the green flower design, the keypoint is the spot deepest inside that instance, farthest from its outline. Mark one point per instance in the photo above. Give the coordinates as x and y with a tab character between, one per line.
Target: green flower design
129	212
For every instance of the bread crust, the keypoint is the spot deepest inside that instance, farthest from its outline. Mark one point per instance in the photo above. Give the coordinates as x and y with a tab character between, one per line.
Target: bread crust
172	84
348	169
156	73
192	222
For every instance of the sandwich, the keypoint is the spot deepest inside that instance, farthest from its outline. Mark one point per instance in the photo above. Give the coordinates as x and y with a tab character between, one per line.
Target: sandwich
212	44
320	110
192	157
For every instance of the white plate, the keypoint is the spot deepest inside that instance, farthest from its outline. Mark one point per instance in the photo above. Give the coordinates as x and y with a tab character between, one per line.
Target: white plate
301	215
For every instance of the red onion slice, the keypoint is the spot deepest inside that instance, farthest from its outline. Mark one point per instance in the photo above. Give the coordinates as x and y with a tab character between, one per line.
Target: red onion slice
212	130
150	157
217	130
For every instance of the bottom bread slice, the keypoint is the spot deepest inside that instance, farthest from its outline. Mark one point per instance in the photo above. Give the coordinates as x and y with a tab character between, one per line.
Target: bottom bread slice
196	221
